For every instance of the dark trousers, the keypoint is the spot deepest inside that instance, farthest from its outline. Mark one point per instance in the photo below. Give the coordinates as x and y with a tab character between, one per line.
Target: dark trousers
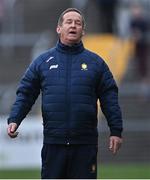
69	161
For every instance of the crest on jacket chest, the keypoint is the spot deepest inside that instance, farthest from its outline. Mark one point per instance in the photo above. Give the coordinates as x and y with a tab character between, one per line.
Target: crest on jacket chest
84	67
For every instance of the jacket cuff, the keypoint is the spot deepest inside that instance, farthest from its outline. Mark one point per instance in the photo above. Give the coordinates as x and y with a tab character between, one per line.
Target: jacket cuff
116	132
10	120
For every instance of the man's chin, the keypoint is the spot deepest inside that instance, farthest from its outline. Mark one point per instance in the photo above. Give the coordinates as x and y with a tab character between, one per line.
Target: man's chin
73	40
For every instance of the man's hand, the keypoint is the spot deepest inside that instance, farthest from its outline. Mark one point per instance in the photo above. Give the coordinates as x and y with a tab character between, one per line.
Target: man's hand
11	130
114	144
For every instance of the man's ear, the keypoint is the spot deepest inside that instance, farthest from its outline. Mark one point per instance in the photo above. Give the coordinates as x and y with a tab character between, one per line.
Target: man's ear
58	29
83	32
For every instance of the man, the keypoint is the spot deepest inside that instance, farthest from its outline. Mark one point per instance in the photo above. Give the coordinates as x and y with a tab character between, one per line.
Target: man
139	26
71	80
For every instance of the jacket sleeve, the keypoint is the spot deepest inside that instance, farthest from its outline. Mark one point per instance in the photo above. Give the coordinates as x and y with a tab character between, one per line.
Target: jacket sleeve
26	95
108	96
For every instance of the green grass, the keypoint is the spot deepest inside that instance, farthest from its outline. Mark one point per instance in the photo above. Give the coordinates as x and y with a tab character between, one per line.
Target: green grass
118	171
124	171
20	174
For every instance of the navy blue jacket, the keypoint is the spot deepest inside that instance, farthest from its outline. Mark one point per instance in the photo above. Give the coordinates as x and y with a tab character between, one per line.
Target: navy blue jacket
71	80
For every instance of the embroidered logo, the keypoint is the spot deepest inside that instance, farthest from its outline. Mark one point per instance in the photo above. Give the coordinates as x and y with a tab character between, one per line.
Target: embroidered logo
49	59
53	66
84	67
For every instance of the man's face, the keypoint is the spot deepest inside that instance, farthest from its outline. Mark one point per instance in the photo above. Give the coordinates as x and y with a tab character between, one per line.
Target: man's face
71	30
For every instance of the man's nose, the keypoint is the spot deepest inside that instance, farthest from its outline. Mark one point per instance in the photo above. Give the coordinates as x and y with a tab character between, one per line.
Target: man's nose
73	24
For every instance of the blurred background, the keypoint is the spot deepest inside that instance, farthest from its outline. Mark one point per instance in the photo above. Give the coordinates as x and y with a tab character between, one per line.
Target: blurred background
119	31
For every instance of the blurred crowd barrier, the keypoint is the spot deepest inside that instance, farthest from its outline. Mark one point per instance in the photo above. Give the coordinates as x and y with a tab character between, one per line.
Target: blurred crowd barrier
25	150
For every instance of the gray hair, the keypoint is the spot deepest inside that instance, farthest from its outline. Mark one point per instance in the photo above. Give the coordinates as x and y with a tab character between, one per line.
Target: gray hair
60	20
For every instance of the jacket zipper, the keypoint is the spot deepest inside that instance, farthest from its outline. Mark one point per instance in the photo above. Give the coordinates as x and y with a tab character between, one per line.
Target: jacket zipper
68	95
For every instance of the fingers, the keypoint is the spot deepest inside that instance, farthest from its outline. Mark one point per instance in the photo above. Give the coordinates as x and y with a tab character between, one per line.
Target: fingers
115	144
11	130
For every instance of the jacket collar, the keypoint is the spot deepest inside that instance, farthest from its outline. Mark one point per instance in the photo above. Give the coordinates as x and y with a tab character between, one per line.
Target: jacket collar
75	49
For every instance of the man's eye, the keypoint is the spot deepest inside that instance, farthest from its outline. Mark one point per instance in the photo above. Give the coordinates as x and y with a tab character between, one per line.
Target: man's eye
78	23
68	22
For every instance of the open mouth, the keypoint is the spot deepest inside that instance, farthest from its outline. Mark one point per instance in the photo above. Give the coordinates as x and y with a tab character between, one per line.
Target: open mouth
72	32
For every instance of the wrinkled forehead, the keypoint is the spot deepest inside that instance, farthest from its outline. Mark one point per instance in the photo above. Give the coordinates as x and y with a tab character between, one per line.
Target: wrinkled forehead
72	15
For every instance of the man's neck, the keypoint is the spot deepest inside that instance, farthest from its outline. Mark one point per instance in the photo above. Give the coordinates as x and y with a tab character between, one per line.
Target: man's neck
69	43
